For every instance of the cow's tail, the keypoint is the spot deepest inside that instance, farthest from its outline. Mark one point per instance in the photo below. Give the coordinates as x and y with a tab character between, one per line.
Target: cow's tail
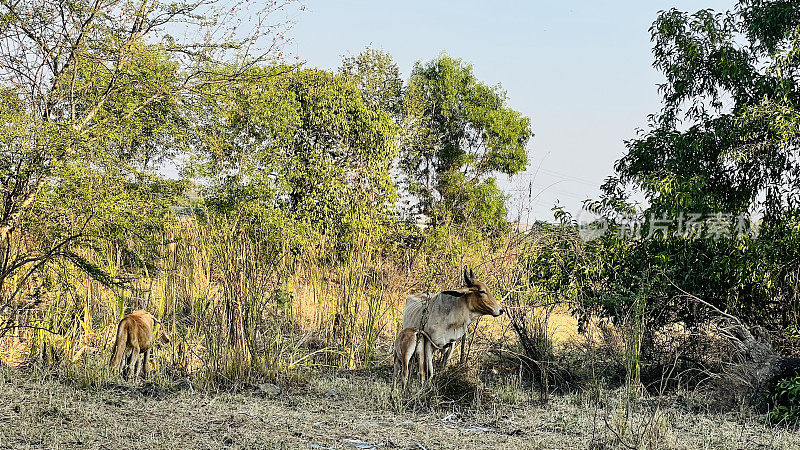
426	336
118	350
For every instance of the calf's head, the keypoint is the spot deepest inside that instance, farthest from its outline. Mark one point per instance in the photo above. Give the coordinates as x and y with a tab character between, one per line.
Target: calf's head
479	299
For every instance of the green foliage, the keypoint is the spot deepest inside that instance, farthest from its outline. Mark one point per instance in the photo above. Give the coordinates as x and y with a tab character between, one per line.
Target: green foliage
725	138
299	147
458	133
72	189
378	79
88	119
724	143
472	204
744	275
785	399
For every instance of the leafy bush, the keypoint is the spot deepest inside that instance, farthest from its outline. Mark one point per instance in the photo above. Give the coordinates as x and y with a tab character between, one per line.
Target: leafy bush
786	400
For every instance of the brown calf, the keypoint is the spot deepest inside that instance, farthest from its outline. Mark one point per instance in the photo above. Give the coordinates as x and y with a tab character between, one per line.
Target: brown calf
410	342
132	346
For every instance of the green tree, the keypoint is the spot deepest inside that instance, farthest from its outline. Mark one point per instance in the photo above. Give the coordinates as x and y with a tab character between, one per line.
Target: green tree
457	134
93	98
727	135
378	78
301	150
724	143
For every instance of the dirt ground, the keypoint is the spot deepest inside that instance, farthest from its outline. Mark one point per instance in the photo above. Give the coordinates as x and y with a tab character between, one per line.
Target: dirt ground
347	412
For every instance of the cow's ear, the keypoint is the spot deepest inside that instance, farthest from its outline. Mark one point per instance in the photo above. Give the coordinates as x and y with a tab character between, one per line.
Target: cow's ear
455	293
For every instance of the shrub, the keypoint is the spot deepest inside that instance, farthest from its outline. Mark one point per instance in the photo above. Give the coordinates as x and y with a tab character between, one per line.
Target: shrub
786	400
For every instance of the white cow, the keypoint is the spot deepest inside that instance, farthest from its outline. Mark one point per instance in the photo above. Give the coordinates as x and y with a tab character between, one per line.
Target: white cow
445	316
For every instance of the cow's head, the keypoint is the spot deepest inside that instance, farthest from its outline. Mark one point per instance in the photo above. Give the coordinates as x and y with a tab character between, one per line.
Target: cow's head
163	339
478	297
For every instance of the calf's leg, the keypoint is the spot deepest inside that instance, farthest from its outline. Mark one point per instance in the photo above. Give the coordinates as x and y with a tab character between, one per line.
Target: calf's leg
132	366
428	354
419	350
145	361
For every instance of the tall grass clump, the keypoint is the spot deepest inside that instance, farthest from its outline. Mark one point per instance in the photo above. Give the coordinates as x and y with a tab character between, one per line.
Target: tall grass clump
235	320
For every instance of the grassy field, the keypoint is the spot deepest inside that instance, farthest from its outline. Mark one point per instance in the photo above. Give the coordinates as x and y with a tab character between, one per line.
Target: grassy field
357	410
322	332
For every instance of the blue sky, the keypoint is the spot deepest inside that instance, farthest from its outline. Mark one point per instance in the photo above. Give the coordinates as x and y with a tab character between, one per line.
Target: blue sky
581	70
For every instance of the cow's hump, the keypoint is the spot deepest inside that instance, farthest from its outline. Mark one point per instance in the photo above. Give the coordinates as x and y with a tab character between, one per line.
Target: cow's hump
422	297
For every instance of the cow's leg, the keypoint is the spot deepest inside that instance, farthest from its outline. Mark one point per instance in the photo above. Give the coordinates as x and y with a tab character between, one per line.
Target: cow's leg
462	355
396	371
447	350
126	363
145	364
137	365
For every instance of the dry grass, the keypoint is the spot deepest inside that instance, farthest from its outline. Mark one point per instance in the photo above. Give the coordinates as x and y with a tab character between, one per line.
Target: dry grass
344	411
